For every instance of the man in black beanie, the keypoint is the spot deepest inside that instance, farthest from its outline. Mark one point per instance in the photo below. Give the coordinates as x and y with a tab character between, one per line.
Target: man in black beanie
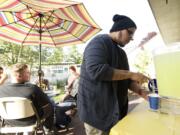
105	78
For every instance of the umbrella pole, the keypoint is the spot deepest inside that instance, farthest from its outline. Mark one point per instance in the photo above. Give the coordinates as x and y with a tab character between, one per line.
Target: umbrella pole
40	38
40	70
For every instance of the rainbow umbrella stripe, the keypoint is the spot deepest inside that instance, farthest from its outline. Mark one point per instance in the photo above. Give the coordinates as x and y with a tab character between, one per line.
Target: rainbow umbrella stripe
62	22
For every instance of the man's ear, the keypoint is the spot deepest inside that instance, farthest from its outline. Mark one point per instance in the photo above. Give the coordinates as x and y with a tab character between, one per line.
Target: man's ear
18	76
119	34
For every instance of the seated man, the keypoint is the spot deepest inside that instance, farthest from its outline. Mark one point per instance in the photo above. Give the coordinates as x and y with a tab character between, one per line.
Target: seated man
19	87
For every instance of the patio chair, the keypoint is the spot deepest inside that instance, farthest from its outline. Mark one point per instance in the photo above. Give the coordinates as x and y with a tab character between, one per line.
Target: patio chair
12	108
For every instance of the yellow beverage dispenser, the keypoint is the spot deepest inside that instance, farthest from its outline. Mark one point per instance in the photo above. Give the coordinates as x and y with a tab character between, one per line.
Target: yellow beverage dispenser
167	67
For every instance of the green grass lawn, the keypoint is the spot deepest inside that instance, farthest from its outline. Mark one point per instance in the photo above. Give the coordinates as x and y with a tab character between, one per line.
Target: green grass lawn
60	96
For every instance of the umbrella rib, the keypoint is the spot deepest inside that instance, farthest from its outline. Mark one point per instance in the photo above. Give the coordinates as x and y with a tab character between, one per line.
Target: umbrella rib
47	27
12	12
75	22
25	38
72	22
31	12
70	33
75	36
23	19
55	15
26	3
50	35
39	13
61	18
15	22
98	27
47	19
65	30
29	32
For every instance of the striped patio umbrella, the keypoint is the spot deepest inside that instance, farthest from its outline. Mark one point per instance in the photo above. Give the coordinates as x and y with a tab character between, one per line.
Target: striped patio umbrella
45	22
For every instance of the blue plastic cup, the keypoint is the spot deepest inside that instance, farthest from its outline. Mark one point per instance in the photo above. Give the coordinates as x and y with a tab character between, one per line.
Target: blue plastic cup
154	101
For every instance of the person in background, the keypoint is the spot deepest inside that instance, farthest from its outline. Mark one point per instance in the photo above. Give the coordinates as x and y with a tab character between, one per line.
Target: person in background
72	84
3	76
20	87
105	78
44	82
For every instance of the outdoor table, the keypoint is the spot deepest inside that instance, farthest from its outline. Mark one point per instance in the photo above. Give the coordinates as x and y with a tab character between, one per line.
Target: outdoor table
142	121
52	93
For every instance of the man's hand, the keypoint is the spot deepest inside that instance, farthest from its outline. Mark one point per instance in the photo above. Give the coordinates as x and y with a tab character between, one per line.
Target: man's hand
144	93
137	88
139	78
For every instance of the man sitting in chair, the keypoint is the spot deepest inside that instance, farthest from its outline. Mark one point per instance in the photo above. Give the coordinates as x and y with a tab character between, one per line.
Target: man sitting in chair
19	87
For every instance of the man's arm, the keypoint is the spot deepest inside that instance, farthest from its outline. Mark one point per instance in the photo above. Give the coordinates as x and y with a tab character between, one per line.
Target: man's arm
41	99
98	68
125	74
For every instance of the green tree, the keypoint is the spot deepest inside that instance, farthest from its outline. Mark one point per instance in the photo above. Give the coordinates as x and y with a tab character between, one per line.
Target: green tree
9	53
12	53
56	56
29	55
74	56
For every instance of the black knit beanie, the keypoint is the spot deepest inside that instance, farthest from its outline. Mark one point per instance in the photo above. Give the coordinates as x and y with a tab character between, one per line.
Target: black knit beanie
122	22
